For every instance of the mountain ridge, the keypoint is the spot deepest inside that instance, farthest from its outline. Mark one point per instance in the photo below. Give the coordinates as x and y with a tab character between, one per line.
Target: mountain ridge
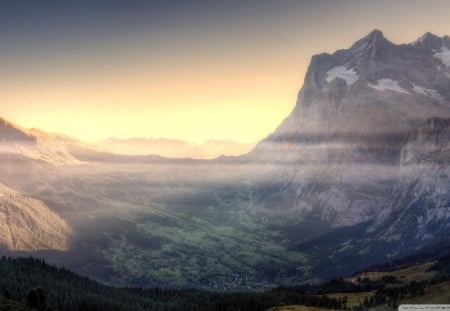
174	148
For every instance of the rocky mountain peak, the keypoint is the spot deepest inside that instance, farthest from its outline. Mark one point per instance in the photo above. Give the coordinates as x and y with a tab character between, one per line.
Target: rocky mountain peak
375	34
431	40
373	38
373	89
369	138
422	68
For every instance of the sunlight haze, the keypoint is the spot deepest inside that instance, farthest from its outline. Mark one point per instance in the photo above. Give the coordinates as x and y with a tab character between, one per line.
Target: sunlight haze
225	71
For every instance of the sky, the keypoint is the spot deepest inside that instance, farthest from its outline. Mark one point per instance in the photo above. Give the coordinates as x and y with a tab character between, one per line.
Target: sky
189	70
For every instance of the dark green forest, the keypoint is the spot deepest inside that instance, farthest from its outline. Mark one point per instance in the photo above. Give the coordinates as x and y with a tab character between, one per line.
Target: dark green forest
41	286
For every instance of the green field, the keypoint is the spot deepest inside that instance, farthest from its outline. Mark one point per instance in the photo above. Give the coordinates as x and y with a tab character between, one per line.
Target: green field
434	294
178	227
209	252
416	273
439	293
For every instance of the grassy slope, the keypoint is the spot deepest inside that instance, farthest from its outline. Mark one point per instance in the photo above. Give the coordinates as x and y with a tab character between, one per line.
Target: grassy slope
353	299
205	236
439	293
417	273
297	308
10	305
217	252
436	294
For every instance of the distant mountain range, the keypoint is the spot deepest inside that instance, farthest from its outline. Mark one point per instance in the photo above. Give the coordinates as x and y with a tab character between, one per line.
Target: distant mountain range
358	174
174	148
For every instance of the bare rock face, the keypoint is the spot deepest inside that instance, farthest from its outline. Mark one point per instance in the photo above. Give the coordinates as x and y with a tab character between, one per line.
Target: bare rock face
366	153
430	142
420	203
27	224
366	99
341	149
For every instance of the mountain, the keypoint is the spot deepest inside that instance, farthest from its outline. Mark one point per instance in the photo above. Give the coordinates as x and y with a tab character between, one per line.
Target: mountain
365	151
34	144
354	115
356	175
27	224
422	196
375	88
28	157
174	148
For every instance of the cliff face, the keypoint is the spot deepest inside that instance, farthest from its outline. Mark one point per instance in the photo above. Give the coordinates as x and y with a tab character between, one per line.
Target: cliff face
368	97
345	145
420	204
366	151
428	143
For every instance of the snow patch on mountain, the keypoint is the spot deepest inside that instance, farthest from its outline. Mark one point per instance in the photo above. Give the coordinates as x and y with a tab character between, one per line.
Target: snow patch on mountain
444	56
349	75
427	92
388	85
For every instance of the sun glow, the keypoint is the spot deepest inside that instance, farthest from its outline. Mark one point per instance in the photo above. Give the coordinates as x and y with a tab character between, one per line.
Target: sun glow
196	78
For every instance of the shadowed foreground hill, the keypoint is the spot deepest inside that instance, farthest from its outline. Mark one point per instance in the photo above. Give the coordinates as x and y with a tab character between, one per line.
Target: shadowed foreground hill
66	290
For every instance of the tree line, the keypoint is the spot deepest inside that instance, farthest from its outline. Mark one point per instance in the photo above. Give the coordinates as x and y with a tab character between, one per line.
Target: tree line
44	287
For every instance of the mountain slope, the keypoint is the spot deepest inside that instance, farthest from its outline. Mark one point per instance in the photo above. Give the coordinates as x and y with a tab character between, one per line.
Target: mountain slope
421	206
365	95
34	144
27	224
364	154
340	149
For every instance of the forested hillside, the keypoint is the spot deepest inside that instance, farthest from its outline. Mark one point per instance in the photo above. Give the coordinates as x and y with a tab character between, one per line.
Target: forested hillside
32	282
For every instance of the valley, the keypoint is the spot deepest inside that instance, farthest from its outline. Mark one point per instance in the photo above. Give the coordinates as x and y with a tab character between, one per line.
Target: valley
356	175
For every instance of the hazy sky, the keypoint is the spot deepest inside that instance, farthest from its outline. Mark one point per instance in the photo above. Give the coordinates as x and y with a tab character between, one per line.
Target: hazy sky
193	70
